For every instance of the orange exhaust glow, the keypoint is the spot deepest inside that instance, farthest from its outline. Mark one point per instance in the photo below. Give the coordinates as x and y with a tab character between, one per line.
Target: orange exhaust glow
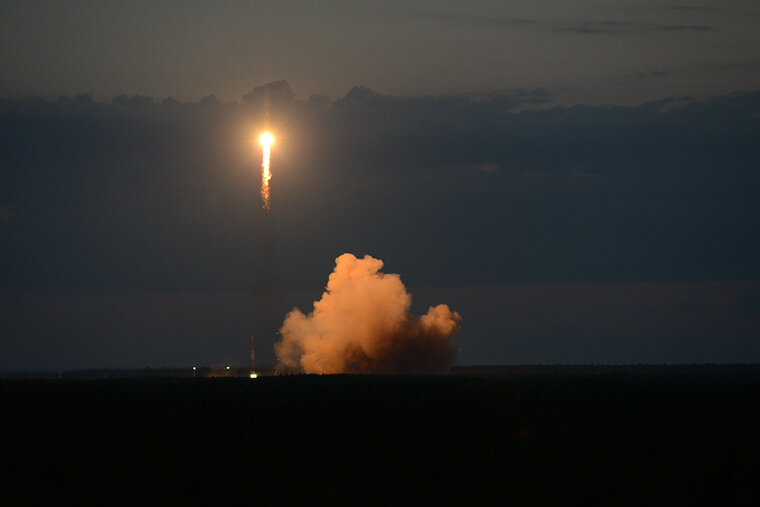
266	141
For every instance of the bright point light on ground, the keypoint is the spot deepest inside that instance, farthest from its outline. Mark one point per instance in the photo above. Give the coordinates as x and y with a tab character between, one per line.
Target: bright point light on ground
253	375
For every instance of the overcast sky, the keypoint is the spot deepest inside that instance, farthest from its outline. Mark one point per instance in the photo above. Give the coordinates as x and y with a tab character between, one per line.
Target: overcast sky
622	52
580	184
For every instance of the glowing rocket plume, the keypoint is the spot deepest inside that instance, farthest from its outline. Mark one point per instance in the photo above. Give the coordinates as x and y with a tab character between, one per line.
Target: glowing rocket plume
266	143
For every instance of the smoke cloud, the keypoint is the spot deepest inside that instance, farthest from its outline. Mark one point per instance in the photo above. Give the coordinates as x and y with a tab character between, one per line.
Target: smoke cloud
362	324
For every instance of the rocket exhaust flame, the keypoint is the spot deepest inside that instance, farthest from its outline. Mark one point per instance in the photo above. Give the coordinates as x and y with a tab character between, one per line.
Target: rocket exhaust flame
266	140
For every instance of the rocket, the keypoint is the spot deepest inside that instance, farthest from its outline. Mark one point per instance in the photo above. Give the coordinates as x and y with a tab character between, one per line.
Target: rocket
266	116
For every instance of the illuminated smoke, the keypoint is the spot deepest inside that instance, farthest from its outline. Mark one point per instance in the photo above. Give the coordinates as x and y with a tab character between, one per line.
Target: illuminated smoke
266	143
362	324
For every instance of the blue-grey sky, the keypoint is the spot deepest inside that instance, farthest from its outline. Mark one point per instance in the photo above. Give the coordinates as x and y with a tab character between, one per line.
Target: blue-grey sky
621	52
579	183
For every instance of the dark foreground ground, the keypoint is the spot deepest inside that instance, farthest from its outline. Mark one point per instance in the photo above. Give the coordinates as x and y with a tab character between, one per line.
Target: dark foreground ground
530	436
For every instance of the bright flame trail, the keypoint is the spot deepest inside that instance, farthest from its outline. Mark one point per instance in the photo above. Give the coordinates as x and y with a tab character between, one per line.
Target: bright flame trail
266	142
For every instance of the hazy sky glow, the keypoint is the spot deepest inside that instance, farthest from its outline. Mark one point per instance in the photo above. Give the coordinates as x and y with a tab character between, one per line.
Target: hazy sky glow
579	183
622	52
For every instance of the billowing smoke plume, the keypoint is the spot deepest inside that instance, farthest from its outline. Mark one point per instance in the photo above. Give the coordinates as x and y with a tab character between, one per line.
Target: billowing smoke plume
362	324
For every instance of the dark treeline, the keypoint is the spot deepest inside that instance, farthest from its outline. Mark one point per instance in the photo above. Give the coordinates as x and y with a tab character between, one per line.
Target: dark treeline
670	436
521	370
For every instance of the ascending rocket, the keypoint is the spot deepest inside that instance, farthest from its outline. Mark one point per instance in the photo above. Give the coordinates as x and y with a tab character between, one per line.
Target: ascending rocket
266	144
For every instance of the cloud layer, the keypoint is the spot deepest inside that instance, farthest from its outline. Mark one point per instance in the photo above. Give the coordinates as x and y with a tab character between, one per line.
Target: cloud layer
466	195
161	196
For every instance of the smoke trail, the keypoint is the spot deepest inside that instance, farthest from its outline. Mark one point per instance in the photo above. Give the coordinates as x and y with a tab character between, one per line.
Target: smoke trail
362	324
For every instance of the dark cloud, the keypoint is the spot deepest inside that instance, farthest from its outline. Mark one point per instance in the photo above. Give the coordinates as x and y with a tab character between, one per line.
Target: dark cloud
83	99
489	22
691	8
597	26
209	101
750	66
708	10
361	99
137	101
170	102
120	197
480	190
275	92
683	28
474	20
614	27
319	102
584	28
505	22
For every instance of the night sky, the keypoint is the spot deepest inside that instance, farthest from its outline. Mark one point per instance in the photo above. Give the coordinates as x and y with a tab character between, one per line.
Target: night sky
579	181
